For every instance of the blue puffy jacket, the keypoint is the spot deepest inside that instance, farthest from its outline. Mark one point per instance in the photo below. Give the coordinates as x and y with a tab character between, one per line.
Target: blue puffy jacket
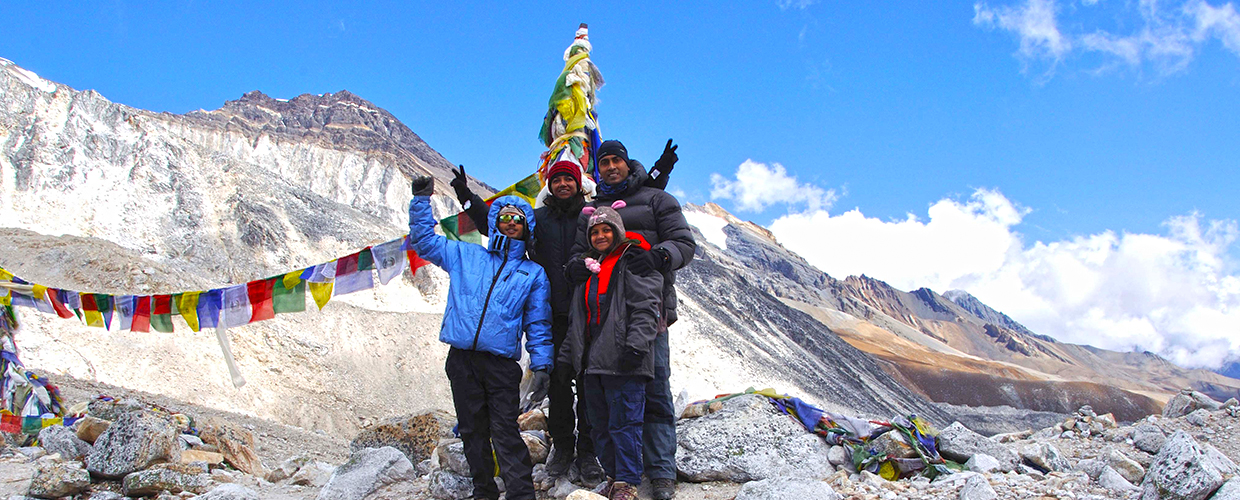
495	293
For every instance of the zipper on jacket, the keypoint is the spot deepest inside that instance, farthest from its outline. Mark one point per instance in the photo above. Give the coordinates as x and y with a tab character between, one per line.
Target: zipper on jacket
487	303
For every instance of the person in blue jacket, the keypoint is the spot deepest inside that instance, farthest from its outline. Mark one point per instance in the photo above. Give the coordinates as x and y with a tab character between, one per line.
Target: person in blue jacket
495	294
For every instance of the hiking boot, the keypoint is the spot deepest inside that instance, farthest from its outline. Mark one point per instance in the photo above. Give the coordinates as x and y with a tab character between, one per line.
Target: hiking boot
621	490
560	462
662	488
591	471
604	488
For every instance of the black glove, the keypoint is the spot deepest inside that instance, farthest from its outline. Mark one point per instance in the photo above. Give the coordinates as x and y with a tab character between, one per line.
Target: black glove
461	185
641	262
576	271
539	387
631	360
663	166
423	185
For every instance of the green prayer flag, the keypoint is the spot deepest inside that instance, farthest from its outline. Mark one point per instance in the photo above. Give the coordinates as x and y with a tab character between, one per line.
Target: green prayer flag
365	260
288	300
162	322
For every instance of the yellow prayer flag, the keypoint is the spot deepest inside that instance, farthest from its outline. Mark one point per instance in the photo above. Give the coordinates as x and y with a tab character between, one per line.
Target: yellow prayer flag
93	318
322	293
5	275
292	279
187	305
7	298
48	422
38	291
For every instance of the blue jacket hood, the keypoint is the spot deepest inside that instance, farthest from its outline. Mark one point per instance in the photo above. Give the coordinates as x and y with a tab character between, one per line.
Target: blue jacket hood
499	242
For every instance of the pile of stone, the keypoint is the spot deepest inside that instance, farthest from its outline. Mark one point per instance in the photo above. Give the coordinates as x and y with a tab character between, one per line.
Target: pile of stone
122	447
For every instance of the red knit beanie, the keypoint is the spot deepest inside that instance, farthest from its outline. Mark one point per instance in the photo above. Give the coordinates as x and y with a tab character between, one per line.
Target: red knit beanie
565	167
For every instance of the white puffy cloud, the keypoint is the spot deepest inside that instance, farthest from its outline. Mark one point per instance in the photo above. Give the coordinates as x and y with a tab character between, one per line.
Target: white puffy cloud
1165	35
758	185
1175	293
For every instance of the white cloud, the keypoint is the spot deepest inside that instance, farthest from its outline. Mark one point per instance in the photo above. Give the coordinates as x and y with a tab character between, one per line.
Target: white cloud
1167	39
1175	293
795	4
758	185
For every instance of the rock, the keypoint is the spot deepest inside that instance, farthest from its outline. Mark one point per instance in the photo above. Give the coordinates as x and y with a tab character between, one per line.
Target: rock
228	492
315	474
32	452
425	467
982	463
958	443
537	445
1183	469
533	420
112	410
287	468
55	479
563	487
15	478
892	443
1186	402
416	436
680	402
133	442
1044	456
977	488
447	485
173	478
452	457
1148	438
1047	433
584	495
1230	403
1127	467
236	443
838	455
1112	480
1229	490
1086	411
1107	420
748	440
954	480
1012	436
800	489
372	474
1092	467
190	441
1198	417
210	457
62	440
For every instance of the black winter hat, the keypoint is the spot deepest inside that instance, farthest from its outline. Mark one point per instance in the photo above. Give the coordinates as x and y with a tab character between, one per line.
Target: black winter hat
613	147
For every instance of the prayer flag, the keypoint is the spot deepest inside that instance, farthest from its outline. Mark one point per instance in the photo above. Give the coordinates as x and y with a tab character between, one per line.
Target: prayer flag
103	301
288	300
124	309
324	273
73	301
5	275
209	308
161	313
10	423
141	314
187	303
346	265
23	300
93	318
54	296
526	188
236	306
365	260
260	299
461	228
354	282
389	259
292	279
322	293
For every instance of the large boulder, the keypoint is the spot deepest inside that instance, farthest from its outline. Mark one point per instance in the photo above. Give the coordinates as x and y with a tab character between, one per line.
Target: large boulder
1112	480
1127	467
172	478
1148	438
452	457
959	443
892	444
112	409
415	436
977	488
1186	470
236	443
448	485
372	474
230	491
55	479
287	468
1045	457
89	428
133	442
315	474
748	440
15	478
1229	490
800	489
1188	401
536	442
62	440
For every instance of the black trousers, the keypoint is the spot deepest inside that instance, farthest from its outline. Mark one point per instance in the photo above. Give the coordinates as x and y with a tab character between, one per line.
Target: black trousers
563	419
485	391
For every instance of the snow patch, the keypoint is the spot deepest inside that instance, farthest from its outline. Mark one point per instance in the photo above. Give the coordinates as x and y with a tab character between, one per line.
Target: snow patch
29	78
710	226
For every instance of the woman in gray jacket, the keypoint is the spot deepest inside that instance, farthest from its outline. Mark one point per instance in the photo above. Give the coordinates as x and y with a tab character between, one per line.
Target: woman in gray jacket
615	319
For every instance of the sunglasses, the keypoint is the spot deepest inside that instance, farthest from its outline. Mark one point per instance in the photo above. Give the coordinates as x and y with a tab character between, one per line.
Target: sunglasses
519	219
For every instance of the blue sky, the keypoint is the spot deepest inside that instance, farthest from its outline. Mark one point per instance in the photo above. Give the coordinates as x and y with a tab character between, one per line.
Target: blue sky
1062	122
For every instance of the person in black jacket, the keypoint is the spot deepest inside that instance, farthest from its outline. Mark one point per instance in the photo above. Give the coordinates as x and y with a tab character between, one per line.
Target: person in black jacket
656	216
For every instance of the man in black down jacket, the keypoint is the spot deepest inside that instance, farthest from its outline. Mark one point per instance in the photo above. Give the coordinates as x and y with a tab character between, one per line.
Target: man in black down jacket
655	215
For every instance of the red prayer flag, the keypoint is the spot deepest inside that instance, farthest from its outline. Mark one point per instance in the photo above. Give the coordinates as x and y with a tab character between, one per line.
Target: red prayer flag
141	314
88	302
53	296
260	297
162	304
415	262
346	265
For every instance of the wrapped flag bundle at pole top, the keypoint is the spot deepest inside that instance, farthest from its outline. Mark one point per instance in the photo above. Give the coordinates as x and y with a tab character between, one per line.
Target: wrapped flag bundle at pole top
570	129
